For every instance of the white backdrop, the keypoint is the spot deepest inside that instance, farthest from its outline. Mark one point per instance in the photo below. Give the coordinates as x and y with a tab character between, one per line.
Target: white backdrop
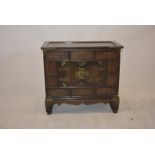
21	63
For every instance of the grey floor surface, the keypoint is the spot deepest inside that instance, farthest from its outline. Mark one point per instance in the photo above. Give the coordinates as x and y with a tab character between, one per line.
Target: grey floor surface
135	112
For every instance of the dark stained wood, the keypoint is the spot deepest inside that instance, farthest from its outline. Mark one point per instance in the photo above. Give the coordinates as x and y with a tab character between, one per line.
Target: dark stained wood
56	56
113	66
81	44
51	68
58	92
105	91
82	55
81	72
106	56
52	81
112	79
82	92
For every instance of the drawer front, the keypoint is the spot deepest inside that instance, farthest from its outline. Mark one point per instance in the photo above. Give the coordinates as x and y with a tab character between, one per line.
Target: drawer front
82	92
58	55
58	92
82	55
105	91
107	55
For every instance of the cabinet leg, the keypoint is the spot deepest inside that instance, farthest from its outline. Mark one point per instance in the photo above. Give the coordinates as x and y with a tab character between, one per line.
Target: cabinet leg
115	104
49	106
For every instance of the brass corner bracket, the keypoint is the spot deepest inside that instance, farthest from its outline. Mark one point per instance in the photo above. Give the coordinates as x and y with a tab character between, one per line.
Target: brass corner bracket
115	98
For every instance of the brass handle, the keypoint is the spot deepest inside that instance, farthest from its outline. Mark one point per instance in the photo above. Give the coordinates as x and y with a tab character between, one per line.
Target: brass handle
82	74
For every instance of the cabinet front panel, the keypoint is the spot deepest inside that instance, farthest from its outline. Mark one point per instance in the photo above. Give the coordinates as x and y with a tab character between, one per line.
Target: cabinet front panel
88	75
81	73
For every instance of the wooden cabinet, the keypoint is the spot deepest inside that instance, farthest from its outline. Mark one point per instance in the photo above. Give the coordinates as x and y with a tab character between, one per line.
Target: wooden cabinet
81	72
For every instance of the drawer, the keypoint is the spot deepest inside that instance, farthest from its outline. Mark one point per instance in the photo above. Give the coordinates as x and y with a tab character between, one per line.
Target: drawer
82	55
82	92
106	55
112	79
58	92
60	55
105	91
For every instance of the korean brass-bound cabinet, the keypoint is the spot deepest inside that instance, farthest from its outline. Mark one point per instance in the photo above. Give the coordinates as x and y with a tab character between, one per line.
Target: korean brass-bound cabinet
82	72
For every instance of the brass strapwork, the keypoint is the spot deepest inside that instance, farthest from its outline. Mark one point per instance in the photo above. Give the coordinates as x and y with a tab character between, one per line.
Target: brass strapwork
82	73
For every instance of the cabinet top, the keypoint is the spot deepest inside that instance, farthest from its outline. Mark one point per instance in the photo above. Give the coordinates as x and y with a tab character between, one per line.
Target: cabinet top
80	44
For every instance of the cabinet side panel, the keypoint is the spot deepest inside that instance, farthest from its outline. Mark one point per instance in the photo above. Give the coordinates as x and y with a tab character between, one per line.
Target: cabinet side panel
44	60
